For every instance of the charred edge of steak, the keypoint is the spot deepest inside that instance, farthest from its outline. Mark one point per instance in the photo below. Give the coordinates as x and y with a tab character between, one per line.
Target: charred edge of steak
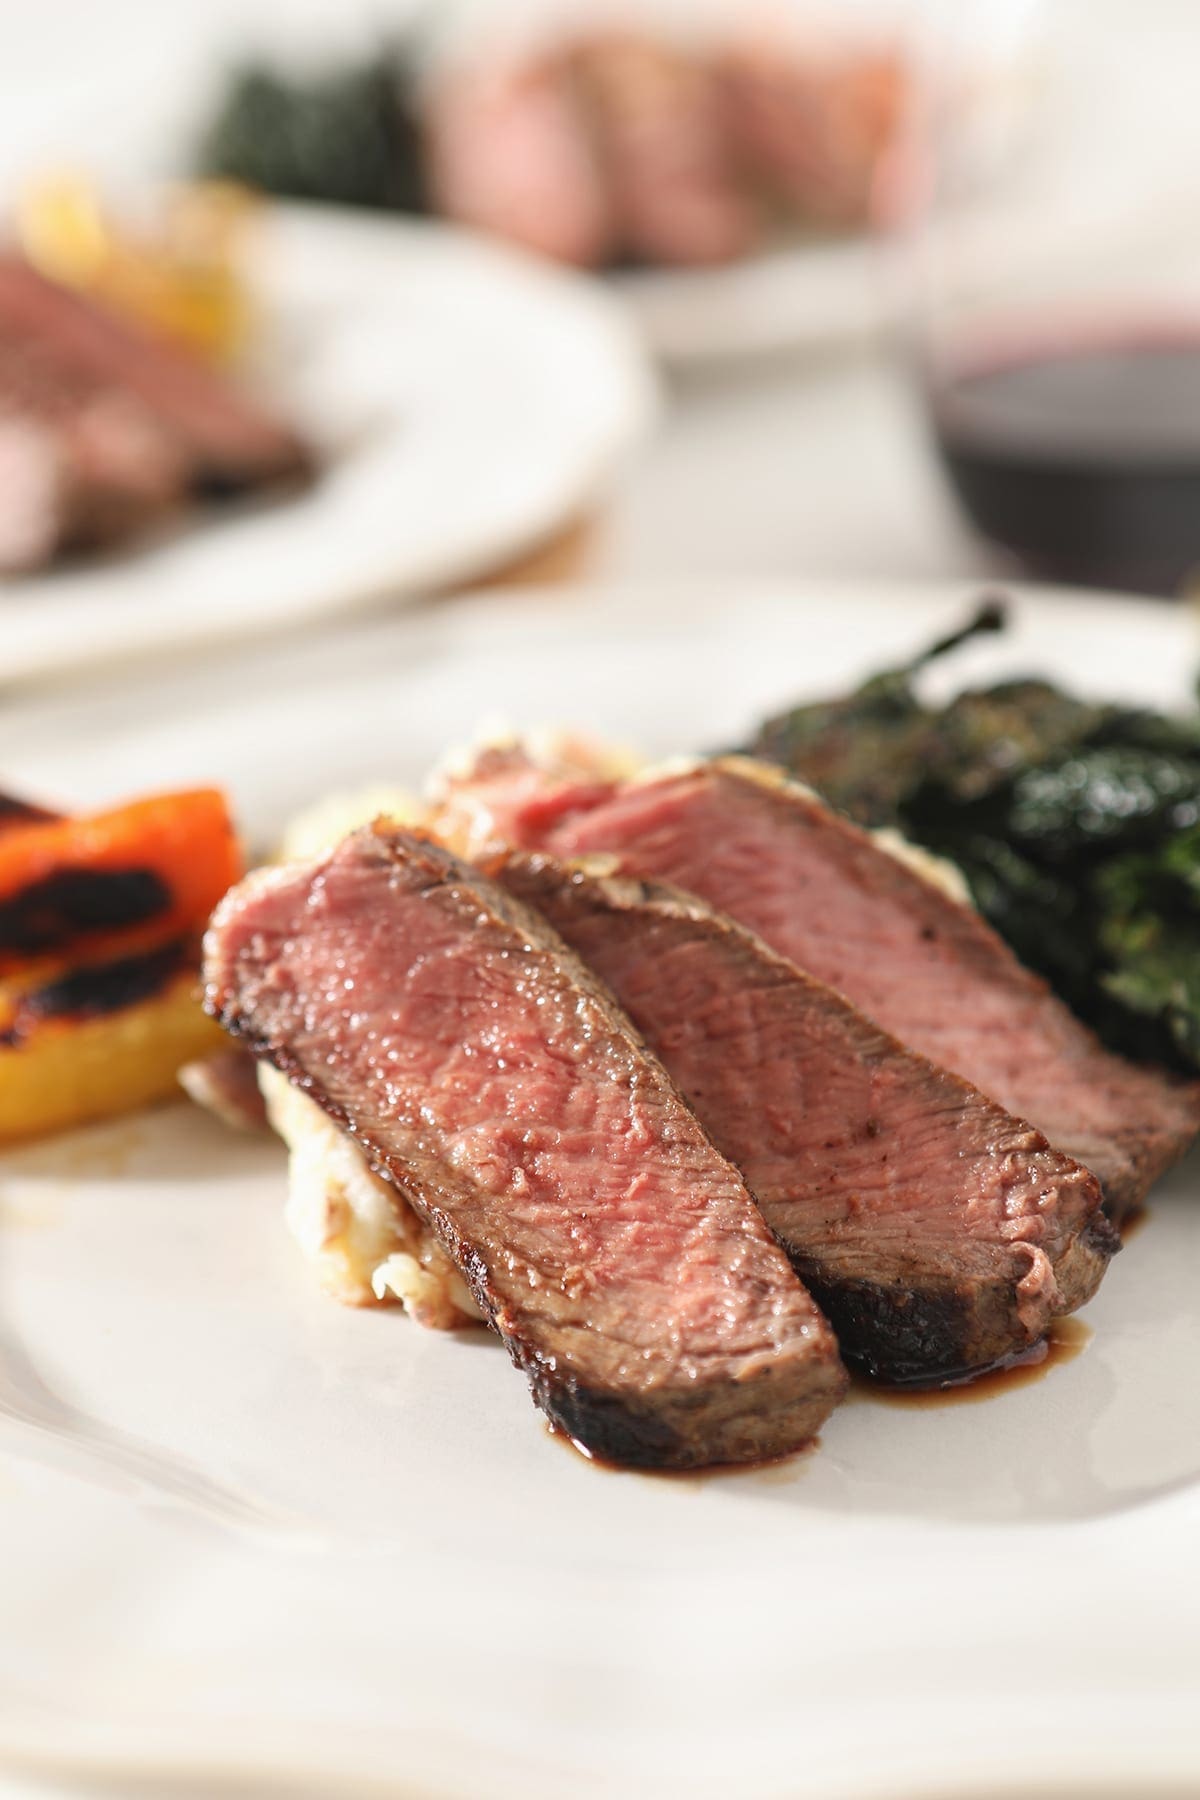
45	915
1100	1237
1100	1234
602	1427
904	1336
606	1428
898	1335
99	989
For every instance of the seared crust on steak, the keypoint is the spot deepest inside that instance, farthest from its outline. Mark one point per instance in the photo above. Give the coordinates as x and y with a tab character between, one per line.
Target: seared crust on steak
488	1074
940	1234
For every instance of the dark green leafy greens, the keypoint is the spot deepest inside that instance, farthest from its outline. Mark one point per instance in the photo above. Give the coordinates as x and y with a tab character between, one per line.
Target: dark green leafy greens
348	135
1077	826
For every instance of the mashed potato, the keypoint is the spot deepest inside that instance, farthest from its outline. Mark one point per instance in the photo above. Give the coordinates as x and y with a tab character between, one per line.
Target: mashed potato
323	824
367	1243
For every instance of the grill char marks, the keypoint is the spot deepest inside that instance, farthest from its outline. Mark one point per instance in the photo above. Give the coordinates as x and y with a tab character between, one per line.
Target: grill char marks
924	967
53	912
95	989
489	1076
940	1234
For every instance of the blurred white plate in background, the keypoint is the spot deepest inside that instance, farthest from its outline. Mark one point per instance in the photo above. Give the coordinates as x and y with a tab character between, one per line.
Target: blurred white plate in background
468	402
249	1532
808	295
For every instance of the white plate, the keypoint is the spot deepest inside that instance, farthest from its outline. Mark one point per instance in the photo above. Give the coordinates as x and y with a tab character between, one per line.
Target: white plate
245	1530
469	402
810	295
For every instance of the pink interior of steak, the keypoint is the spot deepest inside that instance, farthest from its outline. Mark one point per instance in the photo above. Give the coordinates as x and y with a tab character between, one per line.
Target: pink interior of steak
464	1057
925	968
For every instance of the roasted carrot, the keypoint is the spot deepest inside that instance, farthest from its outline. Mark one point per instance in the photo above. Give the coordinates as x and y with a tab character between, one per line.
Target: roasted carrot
86	887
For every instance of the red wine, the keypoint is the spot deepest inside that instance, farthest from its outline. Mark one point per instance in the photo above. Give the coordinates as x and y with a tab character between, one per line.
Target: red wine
1084	459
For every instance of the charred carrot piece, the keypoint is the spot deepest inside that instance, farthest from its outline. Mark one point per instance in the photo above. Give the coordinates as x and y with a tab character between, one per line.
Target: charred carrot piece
84	887
61	1069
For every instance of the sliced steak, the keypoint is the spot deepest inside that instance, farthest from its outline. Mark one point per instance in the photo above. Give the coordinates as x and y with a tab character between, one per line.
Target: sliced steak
82	464
232	443
939	1234
509	152
924	967
490	1077
656	115
813	129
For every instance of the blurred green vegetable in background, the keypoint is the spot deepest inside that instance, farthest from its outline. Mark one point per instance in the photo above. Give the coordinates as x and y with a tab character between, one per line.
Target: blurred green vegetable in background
349	135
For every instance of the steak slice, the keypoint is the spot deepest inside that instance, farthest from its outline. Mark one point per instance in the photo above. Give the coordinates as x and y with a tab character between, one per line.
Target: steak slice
82	463
939	1234
489	1076
232	442
508	151
926	968
656	114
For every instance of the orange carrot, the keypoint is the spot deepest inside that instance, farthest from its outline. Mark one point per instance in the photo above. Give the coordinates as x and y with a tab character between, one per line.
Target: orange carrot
85	886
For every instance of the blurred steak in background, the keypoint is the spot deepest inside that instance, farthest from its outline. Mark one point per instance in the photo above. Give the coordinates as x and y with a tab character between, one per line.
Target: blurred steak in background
508	151
629	146
106	431
655	113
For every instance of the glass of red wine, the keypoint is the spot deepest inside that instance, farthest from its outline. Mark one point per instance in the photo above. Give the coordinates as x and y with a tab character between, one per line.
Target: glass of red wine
1056	327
